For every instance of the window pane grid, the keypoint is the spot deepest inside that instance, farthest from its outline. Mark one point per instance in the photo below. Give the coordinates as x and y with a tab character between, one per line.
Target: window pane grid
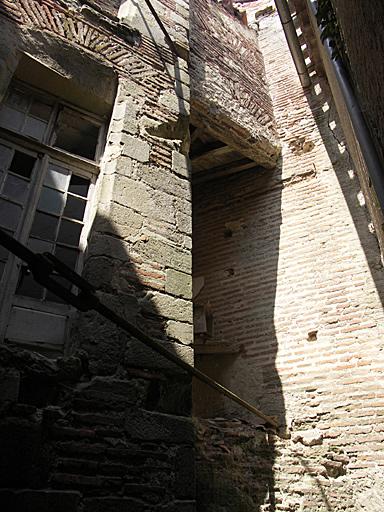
58	233
14	186
45	202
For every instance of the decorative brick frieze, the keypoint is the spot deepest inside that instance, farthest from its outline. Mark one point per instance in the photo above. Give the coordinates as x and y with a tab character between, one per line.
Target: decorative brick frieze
135	56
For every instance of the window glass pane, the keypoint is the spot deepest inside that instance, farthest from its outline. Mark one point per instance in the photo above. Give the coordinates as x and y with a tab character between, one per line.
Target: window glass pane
16	188
11	119
39	246
67	255
51	201
69	232
27	286
5	156
75	207
9	214
22	164
76	134
40	110
79	186
18	100
44	226
56	177
35	128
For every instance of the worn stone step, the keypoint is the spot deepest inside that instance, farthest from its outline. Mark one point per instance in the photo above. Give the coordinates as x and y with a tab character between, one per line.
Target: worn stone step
79	481
92	418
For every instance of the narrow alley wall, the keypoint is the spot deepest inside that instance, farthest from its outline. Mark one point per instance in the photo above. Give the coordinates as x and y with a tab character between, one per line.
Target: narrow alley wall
105	425
293	278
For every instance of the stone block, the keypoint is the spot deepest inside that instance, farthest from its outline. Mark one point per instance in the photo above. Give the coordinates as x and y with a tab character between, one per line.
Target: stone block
125	116
182	91
152	426
185	472
178	283
166	254
139	355
125	166
103	341
135	148
181	164
184	223
163	179
112	393
168	306
133	194
147	201
172	102
9	385
121	221
108	246
180	331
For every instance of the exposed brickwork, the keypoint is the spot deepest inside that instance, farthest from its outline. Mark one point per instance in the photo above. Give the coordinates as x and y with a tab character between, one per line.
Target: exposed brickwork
229	93
365	58
367	82
293	277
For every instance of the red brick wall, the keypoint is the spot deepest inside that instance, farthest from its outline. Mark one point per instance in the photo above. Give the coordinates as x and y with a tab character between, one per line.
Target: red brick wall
229	93
293	276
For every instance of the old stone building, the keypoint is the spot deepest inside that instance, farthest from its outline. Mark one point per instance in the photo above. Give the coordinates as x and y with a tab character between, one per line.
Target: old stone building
135	136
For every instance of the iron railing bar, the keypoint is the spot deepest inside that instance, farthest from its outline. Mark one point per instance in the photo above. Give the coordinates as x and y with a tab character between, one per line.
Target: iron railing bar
162	27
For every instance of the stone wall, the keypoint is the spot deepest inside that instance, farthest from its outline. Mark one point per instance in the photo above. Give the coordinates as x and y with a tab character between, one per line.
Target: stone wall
293	279
106	427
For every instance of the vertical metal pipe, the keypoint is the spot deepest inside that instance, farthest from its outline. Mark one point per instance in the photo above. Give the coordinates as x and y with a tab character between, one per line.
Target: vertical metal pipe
293	41
363	136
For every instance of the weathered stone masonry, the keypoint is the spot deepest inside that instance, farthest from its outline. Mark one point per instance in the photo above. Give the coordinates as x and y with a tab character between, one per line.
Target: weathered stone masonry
106	428
293	252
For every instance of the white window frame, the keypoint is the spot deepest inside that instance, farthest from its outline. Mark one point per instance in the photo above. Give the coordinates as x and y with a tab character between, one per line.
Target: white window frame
80	166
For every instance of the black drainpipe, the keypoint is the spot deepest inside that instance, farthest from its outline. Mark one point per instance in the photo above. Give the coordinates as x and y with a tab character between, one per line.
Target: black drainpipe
360	127
363	137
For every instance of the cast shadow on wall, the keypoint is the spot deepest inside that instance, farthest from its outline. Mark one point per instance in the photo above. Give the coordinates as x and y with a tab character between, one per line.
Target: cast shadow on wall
106	374
335	144
125	281
236	250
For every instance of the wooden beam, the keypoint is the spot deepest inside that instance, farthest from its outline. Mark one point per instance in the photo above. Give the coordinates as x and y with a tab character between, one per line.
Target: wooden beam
210	156
224	170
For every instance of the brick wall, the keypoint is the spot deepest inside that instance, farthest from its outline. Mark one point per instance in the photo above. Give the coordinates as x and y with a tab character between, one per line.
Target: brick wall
364	83
229	95
365	58
293	278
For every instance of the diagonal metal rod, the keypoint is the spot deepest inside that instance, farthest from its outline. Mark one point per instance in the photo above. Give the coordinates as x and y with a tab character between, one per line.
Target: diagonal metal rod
45	267
162	27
